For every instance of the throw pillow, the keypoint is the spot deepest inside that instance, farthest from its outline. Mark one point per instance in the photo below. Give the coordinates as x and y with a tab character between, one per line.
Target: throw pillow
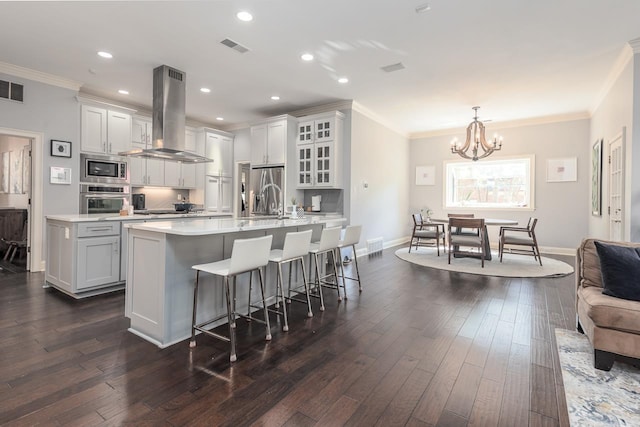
620	269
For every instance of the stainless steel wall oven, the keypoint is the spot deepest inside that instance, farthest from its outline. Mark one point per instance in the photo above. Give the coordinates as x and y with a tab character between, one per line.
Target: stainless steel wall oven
103	198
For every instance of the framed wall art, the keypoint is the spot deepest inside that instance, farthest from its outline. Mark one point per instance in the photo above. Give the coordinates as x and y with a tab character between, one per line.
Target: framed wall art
425	175
562	170
60	148
596	178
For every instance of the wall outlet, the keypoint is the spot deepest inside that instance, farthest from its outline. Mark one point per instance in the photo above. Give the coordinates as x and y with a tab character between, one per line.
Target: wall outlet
179	197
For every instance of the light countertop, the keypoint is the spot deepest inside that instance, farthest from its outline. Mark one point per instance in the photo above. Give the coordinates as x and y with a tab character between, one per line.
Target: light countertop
116	217
227	225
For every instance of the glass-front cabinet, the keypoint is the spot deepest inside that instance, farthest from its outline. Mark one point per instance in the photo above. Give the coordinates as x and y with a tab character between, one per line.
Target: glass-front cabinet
318	151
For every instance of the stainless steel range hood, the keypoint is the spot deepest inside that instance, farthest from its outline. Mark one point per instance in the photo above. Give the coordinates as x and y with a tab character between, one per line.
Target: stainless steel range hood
168	122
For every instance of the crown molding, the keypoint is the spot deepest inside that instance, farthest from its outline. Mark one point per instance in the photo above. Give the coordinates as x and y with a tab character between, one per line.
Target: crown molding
618	67
378	119
316	109
39	76
635	45
510	124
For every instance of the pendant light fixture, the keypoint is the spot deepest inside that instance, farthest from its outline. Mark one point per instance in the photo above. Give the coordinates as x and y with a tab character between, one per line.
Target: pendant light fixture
476	140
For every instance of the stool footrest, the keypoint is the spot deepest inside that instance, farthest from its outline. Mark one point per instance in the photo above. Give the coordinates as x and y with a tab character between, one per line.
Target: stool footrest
244	316
212	334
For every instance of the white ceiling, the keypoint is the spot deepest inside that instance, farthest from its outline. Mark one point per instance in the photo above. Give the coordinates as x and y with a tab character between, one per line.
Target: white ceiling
516	59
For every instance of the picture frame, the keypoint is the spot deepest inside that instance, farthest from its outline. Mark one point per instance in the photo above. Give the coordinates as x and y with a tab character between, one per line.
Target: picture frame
425	175
60	148
562	170
596	178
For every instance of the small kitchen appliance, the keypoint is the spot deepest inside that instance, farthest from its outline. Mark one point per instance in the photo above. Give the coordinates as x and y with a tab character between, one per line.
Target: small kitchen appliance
103	169
315	203
138	201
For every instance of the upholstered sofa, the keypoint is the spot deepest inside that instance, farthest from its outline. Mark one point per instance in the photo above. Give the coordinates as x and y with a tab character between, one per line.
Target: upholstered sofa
612	324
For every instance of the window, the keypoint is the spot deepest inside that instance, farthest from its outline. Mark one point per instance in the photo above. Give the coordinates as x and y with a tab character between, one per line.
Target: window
501	183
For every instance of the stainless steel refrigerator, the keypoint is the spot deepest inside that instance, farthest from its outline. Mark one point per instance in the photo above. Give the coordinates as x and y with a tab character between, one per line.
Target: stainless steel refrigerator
267	191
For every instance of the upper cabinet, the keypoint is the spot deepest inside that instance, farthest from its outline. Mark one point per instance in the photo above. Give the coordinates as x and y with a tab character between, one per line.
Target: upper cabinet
219	148
104	131
269	142
318	148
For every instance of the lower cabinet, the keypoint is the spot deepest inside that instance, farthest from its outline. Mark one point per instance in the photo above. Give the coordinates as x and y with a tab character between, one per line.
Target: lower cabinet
83	259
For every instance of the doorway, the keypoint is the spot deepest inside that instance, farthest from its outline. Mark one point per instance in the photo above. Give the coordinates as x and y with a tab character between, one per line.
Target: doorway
15	196
34	229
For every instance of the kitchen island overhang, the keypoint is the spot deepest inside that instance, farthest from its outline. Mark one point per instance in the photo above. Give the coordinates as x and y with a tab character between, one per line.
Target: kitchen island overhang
160	280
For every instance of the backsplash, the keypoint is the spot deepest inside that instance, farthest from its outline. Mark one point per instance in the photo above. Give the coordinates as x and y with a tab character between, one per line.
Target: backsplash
332	200
161	198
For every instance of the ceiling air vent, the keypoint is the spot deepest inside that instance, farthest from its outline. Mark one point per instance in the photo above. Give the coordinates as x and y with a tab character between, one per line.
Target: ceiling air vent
235	46
13	91
393	67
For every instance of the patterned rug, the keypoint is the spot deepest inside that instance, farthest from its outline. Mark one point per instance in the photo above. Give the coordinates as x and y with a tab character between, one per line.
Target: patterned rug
511	266
594	397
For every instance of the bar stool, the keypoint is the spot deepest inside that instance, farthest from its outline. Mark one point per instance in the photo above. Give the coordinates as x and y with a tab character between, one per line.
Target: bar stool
327	245
351	238
296	246
247	255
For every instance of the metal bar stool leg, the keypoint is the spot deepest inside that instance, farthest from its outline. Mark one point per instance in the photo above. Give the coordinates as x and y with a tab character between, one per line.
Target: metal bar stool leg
285	328
232	329
344	278
249	304
318	284
264	305
195	309
306	287
355	260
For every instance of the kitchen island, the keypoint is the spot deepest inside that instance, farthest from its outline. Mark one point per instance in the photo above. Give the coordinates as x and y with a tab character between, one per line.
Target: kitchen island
159	285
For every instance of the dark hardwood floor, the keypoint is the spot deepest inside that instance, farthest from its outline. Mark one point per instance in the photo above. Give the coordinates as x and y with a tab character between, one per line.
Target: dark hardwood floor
418	347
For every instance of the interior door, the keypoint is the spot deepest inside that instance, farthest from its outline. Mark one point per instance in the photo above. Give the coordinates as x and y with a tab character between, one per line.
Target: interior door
616	187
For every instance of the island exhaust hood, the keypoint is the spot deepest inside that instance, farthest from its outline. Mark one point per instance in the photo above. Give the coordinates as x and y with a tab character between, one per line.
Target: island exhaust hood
168	122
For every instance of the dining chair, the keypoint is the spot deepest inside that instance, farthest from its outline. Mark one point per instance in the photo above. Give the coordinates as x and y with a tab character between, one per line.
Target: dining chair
475	238
460	230
426	234
522	237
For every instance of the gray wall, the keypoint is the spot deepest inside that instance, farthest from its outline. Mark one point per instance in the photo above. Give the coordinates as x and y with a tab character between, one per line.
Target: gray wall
562	208
54	112
380	158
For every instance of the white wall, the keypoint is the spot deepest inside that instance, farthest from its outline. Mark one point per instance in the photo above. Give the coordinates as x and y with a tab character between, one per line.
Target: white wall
607	121
379	157
562	208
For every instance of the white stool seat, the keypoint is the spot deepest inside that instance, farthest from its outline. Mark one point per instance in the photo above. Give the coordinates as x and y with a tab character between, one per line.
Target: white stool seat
219	268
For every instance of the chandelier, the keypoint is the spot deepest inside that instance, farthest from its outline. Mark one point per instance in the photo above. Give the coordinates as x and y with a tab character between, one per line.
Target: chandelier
476	140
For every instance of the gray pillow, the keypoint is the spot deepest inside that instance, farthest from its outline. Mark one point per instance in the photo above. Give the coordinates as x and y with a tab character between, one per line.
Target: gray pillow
620	269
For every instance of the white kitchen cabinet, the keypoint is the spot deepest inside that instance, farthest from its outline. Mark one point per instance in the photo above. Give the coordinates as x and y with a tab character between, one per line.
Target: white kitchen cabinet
219	194
219	147
83	258
269	142
104	131
146	171
190	141
179	175
318	161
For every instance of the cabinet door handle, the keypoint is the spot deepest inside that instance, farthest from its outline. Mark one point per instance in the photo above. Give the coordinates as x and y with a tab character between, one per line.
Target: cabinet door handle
110	147
116	247
99	229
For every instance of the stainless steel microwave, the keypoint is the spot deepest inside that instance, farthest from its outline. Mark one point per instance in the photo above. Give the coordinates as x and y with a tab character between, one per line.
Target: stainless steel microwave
103	169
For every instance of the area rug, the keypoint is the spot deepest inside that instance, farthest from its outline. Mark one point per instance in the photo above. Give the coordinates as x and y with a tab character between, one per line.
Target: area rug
511	266
594	397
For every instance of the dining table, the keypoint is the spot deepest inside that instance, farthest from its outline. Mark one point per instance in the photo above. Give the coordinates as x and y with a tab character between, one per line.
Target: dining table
487	221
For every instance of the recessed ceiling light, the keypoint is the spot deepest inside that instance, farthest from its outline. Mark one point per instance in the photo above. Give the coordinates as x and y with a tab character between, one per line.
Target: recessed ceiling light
423	8
306	57
105	54
343	80
275	98
220	118
244	16
123	92
205	90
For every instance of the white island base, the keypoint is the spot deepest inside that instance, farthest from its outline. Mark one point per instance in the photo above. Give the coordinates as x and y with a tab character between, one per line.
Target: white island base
160	281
